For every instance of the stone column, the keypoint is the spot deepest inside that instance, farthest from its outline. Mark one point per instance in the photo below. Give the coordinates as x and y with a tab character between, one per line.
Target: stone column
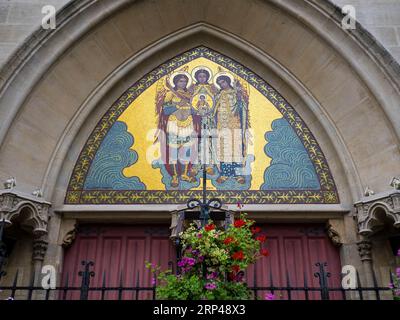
39	251
365	251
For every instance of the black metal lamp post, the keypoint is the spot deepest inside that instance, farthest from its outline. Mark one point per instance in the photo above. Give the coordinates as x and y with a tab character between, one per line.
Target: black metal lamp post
209	208
205	205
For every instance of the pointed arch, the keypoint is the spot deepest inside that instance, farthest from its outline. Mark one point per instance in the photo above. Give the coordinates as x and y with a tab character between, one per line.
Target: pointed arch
326	193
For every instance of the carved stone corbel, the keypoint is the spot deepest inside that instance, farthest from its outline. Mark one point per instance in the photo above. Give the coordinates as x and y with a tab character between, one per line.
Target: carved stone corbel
69	238
370	211
334	235
30	211
67	234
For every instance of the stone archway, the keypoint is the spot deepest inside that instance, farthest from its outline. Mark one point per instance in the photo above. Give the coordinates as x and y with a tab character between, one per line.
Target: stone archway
340	82
31	214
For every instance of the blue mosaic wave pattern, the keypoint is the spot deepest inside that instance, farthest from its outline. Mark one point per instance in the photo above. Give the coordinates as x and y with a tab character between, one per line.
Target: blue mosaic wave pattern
111	158
291	167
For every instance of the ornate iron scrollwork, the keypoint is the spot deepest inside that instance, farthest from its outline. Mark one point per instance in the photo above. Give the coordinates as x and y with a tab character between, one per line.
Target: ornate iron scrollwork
214	203
193	203
86	274
323	276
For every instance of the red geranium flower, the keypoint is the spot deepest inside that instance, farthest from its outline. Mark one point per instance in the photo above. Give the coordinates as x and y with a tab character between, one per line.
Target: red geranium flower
228	240
239	223
209	227
235	268
255	230
261	238
264	252
238	255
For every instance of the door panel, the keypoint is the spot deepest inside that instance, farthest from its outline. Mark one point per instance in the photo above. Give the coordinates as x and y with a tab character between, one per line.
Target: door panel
294	251
119	254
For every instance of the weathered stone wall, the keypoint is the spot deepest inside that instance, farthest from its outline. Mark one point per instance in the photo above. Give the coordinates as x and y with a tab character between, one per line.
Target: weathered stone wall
18	19
381	18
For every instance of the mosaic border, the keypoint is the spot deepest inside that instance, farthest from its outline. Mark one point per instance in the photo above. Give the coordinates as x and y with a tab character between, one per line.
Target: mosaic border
76	194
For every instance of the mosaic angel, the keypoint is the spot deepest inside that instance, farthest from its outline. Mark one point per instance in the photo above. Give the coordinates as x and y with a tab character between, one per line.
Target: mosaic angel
176	128
232	121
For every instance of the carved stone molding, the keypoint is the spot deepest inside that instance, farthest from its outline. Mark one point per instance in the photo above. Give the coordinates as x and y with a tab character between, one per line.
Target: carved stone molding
365	249
30	211
372	209
39	248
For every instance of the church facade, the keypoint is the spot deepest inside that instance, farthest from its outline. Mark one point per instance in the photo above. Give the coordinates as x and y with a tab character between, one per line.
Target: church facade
109	120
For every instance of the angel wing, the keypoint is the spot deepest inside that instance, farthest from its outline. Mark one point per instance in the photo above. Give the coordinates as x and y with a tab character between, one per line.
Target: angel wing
242	96
242	89
161	91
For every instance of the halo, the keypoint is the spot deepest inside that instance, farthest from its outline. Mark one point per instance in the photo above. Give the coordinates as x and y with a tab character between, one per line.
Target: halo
201	68
208	98
172	76
223	73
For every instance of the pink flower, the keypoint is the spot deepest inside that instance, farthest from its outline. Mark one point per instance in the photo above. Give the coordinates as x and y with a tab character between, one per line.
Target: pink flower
199	235
210	286
269	296
398	272
153	281
391	285
212	275
186	261
239	276
398	253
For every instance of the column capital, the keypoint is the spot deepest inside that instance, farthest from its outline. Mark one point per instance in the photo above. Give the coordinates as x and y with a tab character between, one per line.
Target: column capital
39	248
365	249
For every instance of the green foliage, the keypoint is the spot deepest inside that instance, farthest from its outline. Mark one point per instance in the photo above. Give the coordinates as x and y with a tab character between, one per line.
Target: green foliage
213	262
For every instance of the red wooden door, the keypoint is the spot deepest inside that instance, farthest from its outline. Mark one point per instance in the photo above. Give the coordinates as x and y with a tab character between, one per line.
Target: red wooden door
119	254
294	251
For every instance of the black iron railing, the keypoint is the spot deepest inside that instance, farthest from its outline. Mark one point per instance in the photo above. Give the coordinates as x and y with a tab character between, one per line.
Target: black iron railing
87	291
